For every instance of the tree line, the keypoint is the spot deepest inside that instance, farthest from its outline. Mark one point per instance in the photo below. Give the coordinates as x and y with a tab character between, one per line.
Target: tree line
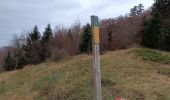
156	29
32	48
115	33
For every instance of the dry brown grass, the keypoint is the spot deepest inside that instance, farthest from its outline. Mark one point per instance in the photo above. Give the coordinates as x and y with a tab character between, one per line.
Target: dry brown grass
123	74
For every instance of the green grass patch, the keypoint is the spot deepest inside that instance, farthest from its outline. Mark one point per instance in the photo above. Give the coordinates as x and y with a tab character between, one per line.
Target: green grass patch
153	55
2	88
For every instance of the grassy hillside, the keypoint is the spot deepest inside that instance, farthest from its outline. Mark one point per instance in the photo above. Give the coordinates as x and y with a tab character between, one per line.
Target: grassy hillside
135	74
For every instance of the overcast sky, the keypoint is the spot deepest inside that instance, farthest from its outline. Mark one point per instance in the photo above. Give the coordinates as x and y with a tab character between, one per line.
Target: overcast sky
16	15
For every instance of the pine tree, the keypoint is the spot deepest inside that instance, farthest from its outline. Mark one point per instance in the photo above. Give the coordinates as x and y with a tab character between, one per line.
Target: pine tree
140	8
134	11
46	42
151	33
157	32
9	63
165	39
137	10
86	42
163	7
47	34
32	49
33	36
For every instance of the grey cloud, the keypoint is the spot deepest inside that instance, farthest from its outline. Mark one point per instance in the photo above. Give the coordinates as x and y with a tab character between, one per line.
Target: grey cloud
16	15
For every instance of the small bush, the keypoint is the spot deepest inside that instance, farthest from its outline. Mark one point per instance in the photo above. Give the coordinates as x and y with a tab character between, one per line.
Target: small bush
58	55
153	55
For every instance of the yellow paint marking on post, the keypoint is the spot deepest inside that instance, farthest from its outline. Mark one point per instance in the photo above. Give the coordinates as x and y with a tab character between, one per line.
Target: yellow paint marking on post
96	35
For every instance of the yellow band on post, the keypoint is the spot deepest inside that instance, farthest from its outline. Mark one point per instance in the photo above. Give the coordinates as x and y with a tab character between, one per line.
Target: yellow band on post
96	34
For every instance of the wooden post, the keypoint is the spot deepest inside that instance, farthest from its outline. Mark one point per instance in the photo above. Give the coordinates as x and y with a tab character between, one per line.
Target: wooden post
96	57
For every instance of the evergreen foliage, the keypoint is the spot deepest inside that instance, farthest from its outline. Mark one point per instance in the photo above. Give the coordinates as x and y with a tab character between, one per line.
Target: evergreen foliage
9	62
46	42
151	33
86	42
47	34
140	8
32	48
33	36
137	10
156	32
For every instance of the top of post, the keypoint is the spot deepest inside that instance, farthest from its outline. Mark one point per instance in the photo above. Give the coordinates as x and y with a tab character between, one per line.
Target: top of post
94	20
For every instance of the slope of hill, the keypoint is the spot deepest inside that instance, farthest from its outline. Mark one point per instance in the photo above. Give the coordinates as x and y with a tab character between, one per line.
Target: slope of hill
135	74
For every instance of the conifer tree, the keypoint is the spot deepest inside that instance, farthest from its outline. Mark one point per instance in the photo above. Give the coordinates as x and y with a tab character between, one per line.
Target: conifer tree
86	42
33	36
151	33
140	8
157	30
32	48
137	10
134	11
46	42
47	34
9	62
163	7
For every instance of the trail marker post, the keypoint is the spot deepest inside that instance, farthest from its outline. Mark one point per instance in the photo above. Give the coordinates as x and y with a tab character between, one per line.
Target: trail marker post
96	57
